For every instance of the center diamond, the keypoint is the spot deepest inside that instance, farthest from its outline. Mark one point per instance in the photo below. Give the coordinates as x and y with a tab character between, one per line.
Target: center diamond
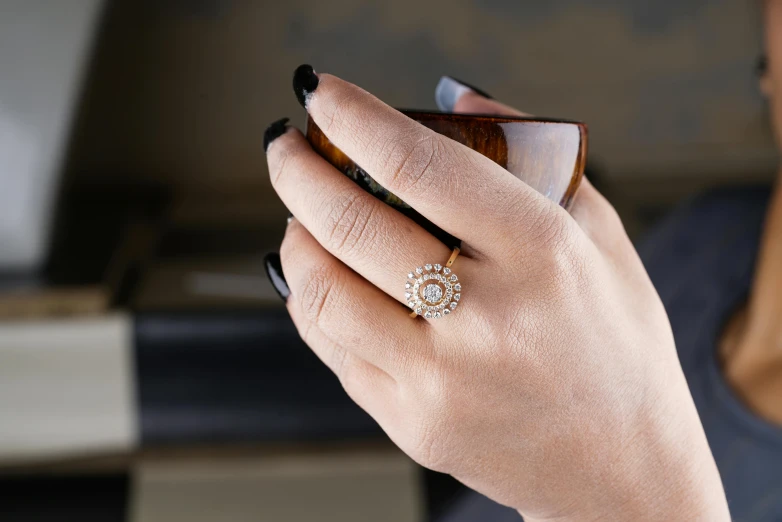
433	293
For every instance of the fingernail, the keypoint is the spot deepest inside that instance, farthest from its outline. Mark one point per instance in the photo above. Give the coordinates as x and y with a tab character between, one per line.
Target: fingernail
449	90
274	271
305	81
274	131
290	217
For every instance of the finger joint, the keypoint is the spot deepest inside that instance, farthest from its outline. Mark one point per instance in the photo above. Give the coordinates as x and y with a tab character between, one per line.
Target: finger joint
410	165
318	293
350	225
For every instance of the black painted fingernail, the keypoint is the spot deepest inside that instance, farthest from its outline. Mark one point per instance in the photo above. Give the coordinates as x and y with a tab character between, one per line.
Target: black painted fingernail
305	81
274	131
274	271
450	89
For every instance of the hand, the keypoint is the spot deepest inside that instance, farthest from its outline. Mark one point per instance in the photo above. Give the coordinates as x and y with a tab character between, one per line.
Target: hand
554	387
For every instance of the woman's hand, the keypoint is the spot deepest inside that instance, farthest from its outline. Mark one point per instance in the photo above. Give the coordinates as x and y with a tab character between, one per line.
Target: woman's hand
554	387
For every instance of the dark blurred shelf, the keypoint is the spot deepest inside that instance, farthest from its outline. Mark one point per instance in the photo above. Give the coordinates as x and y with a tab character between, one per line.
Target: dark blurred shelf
236	376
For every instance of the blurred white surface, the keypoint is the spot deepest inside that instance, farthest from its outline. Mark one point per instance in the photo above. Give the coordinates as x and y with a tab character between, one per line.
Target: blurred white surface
66	389
44	46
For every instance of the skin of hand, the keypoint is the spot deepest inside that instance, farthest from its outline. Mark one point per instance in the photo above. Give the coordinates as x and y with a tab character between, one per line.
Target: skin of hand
554	387
751	345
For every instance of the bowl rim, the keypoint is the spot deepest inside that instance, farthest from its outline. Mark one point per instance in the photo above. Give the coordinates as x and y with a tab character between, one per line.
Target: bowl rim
499	118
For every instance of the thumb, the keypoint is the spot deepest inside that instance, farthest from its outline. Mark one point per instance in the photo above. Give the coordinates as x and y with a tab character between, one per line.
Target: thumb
454	95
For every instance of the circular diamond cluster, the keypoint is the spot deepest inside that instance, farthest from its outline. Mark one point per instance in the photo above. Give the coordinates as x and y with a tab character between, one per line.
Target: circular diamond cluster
432	291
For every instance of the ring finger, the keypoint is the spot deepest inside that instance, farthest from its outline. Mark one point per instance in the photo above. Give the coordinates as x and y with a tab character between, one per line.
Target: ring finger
342	317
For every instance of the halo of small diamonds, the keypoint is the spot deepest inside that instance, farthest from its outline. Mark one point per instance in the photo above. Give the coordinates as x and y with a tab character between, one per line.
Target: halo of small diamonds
432	291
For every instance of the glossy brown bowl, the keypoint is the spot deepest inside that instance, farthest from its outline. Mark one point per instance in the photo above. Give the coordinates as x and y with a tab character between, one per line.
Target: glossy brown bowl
548	155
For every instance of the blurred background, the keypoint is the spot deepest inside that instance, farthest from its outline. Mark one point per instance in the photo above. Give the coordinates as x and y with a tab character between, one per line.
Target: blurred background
147	369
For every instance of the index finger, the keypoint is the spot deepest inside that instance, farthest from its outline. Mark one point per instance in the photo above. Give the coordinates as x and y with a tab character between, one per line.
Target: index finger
460	190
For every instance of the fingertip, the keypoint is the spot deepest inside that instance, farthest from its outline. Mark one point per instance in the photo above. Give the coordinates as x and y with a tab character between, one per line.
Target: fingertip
448	92
291	142
280	137
294	226
296	237
289	137
305	81
274	272
274	131
473	103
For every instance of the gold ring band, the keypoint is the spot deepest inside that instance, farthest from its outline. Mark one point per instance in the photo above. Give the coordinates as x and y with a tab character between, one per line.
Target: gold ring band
453	257
433	291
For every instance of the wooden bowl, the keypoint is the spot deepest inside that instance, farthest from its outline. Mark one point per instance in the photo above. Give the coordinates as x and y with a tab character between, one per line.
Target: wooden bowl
548	155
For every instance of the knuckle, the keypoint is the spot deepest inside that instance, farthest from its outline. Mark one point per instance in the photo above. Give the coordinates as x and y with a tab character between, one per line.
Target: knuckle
318	293
551	231
350	226
427	447
410	162
610	213
597	215
612	220
305	329
550	235
433	416
352	376
538	225
291	243
543	233
518	341
338	365
569	260
556	253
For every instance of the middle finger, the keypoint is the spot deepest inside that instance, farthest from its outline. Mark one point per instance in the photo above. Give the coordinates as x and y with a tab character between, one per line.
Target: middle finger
375	240
458	189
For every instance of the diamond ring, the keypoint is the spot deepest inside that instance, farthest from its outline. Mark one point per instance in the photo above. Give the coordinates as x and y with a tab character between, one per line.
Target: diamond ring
433	290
